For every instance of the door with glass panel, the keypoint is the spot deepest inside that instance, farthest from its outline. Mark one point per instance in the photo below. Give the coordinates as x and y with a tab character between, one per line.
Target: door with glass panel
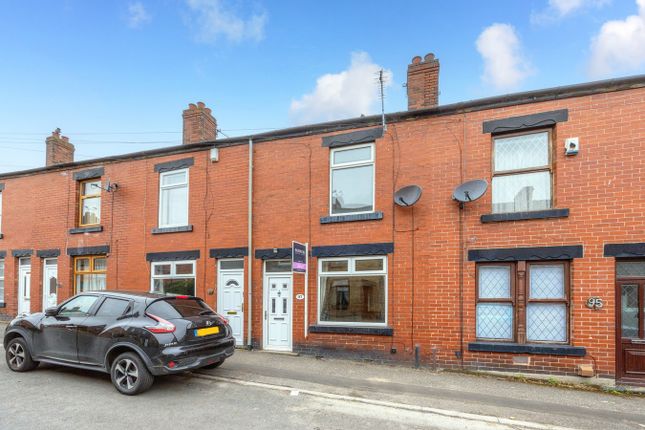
50	283
230	295
24	286
630	339
278	313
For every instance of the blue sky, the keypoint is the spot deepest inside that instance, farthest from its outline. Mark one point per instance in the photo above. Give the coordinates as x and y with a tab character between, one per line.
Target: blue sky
115	76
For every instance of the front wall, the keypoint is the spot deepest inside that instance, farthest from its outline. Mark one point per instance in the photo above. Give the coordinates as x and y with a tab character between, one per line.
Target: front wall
601	186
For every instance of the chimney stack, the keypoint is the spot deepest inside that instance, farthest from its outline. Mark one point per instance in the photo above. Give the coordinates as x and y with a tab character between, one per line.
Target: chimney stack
58	149
423	82
199	124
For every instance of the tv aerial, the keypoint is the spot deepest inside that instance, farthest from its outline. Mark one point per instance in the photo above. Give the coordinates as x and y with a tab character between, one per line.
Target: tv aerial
470	191
407	196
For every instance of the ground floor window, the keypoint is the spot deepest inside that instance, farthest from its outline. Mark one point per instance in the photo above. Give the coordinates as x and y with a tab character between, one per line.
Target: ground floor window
1	280
523	302
90	273
174	278
353	291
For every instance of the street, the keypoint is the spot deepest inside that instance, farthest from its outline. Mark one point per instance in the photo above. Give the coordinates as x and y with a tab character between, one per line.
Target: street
260	390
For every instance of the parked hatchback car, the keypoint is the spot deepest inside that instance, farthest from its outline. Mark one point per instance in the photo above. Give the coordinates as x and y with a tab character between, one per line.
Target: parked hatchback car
133	336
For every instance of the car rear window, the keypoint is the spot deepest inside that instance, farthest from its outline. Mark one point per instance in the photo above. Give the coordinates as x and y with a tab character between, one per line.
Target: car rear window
178	308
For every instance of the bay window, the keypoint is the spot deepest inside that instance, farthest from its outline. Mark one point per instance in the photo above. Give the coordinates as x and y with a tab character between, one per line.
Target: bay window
523	302
173	278
352	180
353	291
173	198
522	177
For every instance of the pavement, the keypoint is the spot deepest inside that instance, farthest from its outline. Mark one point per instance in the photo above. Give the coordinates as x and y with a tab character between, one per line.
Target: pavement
482	395
314	393
260	390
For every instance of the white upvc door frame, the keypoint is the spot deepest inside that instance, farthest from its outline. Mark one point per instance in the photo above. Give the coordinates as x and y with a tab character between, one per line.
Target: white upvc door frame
221	274
265	311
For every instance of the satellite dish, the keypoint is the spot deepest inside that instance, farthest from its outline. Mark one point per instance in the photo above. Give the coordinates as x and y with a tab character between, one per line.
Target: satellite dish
407	196
470	191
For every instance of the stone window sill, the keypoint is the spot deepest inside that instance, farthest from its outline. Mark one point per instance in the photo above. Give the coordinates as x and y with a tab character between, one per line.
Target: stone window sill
520	216
372	216
81	230
374	331
538	349
164	230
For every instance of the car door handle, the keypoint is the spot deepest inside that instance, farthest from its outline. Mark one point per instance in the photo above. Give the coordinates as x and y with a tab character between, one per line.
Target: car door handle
70	326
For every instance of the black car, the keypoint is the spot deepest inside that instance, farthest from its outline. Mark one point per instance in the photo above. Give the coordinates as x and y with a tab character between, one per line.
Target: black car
133	336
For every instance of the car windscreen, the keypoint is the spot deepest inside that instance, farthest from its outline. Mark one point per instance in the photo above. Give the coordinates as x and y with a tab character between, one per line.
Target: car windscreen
178	308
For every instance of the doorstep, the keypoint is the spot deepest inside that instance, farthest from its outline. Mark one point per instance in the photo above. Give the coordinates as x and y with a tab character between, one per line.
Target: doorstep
268	351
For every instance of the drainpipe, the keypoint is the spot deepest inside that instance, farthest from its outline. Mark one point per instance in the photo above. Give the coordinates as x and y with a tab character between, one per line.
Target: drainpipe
249	287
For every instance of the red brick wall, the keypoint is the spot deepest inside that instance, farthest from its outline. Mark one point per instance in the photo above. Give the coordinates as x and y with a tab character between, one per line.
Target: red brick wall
602	186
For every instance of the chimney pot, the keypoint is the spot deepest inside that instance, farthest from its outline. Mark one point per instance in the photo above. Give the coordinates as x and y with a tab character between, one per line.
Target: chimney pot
423	82
199	124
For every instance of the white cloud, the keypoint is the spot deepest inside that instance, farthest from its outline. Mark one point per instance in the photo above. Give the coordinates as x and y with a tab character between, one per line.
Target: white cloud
213	19
504	65
349	93
619	46
558	9
137	15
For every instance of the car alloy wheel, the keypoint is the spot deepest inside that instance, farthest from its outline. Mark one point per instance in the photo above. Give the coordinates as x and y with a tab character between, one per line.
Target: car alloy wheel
126	374
17	355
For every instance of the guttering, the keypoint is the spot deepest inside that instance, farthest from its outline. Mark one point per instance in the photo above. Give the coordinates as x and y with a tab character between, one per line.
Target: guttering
249	319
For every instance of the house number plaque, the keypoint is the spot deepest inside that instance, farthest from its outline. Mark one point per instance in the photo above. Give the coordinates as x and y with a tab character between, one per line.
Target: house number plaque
595	303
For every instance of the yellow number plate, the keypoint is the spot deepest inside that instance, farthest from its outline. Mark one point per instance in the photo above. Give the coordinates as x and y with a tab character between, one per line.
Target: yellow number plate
206	331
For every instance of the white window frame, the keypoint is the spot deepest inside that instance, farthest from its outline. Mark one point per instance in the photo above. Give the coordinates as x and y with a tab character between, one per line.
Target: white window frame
2	279
339	166
0	213
351	272
173	272
167	187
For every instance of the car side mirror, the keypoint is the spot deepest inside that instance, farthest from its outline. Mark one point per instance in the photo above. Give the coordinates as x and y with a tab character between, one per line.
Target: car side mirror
51	312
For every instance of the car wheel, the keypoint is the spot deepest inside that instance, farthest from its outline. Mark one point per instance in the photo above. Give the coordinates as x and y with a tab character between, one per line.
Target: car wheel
214	365
130	375
18	356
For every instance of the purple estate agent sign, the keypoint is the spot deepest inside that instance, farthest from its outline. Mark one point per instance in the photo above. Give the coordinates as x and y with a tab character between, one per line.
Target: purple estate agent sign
298	257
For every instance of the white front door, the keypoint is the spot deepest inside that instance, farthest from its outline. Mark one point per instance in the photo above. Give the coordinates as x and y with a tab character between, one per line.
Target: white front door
24	286
230	300
277	312
50	283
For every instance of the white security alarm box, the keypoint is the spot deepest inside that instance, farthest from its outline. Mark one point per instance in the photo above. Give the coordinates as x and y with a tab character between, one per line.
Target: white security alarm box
571	146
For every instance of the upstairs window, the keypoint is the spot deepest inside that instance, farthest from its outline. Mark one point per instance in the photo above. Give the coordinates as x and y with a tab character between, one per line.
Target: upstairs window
0	213
90	203
522	172
353	291
352	180
174	278
173	198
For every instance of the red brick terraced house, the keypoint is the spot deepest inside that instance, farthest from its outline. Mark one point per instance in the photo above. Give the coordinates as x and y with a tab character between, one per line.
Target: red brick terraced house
544	273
